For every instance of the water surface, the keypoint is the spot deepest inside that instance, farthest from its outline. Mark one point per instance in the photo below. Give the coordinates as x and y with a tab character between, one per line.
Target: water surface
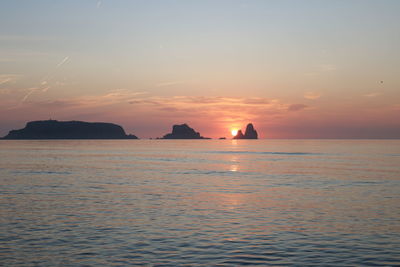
200	202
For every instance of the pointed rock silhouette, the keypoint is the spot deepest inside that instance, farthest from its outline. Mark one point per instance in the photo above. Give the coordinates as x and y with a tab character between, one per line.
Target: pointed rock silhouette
239	135
250	133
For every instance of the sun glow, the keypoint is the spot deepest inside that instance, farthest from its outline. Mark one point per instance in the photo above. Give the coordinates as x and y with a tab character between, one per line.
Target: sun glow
234	132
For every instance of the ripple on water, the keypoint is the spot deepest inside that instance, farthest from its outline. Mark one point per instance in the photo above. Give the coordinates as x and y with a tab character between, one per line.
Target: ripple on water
324	203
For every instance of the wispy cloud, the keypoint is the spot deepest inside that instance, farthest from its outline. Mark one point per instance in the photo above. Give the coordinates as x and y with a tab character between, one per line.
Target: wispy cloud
373	94
327	67
171	83
62	62
221	109
115	97
41	88
32	90
257	101
8	78
321	69
140	108
312	95
44	84
296	107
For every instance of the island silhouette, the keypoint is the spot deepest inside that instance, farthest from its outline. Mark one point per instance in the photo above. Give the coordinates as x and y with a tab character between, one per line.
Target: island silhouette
250	133
54	129
183	131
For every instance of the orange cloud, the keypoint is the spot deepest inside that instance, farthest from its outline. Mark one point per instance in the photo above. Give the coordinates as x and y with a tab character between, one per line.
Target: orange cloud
212	114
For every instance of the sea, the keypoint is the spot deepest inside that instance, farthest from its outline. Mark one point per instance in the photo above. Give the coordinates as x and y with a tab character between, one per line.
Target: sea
200	202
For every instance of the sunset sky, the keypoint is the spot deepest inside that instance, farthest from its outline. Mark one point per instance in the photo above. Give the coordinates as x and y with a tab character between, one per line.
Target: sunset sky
296	69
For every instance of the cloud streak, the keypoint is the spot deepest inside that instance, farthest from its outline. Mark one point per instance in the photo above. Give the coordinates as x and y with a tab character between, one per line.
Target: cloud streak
123	102
296	107
166	84
312	95
44	83
62	62
8	78
371	95
149	115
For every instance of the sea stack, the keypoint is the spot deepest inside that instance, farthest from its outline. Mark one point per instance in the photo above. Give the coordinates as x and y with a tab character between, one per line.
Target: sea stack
183	131
250	133
239	135
53	129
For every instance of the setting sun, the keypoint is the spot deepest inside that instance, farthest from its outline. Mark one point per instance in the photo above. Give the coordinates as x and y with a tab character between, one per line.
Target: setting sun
234	132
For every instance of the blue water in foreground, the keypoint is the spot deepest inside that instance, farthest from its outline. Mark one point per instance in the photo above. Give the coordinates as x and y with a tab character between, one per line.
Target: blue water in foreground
200	202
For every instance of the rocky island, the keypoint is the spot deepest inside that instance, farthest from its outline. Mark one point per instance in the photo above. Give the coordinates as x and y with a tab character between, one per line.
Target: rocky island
53	129
250	133
183	131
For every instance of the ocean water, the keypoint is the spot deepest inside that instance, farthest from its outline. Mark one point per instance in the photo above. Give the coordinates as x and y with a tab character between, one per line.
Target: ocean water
200	202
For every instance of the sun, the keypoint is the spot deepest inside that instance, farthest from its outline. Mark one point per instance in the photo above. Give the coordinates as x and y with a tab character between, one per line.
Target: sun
234	132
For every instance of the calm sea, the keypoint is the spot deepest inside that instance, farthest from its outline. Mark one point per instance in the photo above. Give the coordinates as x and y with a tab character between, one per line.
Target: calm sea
200	202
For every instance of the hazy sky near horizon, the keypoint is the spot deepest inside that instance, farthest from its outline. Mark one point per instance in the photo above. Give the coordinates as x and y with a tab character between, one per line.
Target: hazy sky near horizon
296	69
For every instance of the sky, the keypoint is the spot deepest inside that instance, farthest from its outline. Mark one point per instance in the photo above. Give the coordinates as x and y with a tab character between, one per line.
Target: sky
295	69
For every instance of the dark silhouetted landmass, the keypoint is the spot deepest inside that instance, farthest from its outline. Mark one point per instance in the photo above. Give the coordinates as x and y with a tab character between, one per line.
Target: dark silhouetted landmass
183	131
239	135
250	133
52	129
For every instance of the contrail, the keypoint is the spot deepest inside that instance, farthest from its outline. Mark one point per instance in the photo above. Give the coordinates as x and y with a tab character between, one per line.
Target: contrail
62	62
31	90
44	87
50	75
